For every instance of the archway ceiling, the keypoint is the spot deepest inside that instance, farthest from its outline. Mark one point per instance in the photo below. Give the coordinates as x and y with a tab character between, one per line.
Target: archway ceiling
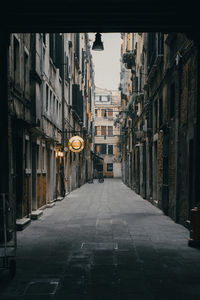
102	16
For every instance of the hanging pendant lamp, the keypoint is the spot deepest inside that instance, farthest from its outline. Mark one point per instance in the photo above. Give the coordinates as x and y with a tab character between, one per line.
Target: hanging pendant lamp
98	45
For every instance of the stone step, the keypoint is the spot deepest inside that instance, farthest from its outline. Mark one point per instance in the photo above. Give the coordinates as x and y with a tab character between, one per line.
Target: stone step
21	224
36	214
50	205
59	198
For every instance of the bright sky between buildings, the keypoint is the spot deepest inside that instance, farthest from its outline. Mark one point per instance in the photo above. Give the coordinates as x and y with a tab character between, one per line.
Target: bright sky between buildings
107	62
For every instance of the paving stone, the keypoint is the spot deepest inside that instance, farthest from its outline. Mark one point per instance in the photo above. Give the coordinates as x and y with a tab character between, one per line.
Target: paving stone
114	246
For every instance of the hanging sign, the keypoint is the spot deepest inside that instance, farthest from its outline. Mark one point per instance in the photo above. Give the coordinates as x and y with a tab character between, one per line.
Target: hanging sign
76	144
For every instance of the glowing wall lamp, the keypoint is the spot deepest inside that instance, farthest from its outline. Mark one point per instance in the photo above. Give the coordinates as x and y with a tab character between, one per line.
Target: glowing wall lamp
98	44
59	154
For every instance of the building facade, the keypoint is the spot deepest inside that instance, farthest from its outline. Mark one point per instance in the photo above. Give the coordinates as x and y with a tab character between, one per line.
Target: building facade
106	135
51	87
160	133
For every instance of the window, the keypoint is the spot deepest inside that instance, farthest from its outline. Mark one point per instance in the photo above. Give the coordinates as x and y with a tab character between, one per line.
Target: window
16	61
67	68
140	80
103	130
47	97
135	83
103	148
97	148
110	112
97	130
44	38
96	110
104	98
38	156
25	71
172	100
98	113
100	148
103	113
77	46
110	149
43	157
110	130
52	46
55	50
54	105
50	98
57	109
58	115
155	116
160	43
27	154
160	111
97	98
109	167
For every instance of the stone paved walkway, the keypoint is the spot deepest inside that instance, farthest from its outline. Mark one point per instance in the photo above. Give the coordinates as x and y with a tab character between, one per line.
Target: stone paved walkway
104	242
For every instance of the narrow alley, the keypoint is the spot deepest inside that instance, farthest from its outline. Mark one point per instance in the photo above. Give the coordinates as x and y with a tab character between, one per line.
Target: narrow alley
103	241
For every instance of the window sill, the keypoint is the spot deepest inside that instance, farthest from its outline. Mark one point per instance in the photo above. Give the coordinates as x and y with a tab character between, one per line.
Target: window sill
38	171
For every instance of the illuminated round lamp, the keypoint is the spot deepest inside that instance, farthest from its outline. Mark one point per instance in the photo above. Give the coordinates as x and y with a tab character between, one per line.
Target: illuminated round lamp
76	144
60	153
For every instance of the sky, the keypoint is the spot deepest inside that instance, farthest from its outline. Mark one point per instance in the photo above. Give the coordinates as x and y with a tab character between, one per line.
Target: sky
107	62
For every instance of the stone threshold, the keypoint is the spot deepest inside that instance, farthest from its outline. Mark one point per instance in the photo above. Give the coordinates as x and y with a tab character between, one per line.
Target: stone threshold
35	214
21	224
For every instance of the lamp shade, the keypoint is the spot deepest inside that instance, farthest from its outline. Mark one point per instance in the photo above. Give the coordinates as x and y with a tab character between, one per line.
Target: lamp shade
98	45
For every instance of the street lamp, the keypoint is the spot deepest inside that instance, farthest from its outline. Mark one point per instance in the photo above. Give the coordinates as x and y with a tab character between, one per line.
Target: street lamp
59	153
98	44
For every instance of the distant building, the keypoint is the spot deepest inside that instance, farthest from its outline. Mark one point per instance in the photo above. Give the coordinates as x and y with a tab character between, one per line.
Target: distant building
106	136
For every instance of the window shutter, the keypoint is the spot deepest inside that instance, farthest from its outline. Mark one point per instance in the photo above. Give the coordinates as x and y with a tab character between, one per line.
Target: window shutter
58	52
103	148
110	149
83	65
77	46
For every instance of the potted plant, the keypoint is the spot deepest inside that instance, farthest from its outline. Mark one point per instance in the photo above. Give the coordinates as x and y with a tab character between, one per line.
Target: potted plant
129	59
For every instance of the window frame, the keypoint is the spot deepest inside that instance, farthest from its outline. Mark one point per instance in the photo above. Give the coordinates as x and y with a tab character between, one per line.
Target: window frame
109	148
109	164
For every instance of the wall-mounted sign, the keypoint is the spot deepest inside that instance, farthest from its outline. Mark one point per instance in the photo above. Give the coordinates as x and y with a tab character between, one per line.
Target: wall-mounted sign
76	144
